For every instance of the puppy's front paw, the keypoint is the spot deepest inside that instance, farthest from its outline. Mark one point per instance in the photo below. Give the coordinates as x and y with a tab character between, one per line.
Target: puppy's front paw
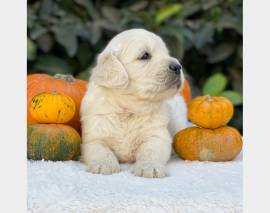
105	168
149	170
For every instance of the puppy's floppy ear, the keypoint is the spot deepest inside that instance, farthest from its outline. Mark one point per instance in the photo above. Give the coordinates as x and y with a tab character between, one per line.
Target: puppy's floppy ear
109	72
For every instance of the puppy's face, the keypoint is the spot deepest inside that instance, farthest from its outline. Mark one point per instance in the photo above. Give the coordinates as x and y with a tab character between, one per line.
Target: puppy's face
137	62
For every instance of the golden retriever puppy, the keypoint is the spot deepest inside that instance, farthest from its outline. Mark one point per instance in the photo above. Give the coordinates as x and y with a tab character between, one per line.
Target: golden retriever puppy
125	113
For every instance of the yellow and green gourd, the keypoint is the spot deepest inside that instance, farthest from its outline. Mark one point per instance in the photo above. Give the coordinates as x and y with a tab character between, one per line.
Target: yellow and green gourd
52	142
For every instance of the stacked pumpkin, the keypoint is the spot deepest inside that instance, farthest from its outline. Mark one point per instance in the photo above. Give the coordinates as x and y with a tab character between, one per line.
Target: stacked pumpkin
53	105
211	139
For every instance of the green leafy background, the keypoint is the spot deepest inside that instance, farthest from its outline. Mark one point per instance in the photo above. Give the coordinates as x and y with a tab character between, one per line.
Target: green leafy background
64	36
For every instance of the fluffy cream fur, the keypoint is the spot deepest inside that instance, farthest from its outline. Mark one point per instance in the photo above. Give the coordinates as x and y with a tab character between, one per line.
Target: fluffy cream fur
124	113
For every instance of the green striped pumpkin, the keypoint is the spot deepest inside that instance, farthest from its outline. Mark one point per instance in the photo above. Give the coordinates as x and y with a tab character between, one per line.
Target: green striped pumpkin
52	142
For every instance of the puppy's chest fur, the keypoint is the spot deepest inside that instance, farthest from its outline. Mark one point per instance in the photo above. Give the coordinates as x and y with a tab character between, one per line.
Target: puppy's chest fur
123	132
126	135
129	131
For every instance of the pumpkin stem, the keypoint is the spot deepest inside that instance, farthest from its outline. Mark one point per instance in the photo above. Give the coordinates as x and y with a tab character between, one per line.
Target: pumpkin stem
68	78
208	98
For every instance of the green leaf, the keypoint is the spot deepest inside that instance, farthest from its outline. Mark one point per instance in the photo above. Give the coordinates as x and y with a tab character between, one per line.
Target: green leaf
168	11
103	23
228	21
88	5
215	84
51	64
111	14
66	36
31	50
204	35
188	38
190	8
37	30
137	6
215	13
45	42
85	75
233	96
206	4
46	7
221	52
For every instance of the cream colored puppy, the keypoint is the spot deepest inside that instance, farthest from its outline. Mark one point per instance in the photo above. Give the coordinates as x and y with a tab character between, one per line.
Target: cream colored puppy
124	113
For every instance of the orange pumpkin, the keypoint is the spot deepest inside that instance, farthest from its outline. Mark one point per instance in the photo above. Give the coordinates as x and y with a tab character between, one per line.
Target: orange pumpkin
33	78
186	91
52	108
195	143
210	112
65	84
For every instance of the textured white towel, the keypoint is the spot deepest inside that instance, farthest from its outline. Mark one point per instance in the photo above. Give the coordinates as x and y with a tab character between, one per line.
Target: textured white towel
189	187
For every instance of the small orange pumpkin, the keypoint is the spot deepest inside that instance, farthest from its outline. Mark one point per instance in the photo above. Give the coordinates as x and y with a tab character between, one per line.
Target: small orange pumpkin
52	108
64	84
210	112
195	143
186	91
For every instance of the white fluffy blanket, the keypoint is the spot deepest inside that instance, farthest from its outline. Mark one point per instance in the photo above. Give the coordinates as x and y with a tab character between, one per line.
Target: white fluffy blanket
195	187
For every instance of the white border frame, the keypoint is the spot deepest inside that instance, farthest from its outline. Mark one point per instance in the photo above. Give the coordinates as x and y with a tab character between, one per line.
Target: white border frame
13	106
256	106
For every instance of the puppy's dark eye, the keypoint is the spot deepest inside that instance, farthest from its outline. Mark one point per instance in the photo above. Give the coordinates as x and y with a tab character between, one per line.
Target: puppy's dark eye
145	56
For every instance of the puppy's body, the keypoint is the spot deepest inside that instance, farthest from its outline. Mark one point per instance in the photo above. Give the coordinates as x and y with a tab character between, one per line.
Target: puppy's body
115	124
124	113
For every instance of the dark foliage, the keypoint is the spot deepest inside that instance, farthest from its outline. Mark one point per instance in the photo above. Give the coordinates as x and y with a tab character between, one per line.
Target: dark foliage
64	36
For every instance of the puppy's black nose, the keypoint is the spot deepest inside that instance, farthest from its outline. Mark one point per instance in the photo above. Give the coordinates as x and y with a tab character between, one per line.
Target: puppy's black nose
176	68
